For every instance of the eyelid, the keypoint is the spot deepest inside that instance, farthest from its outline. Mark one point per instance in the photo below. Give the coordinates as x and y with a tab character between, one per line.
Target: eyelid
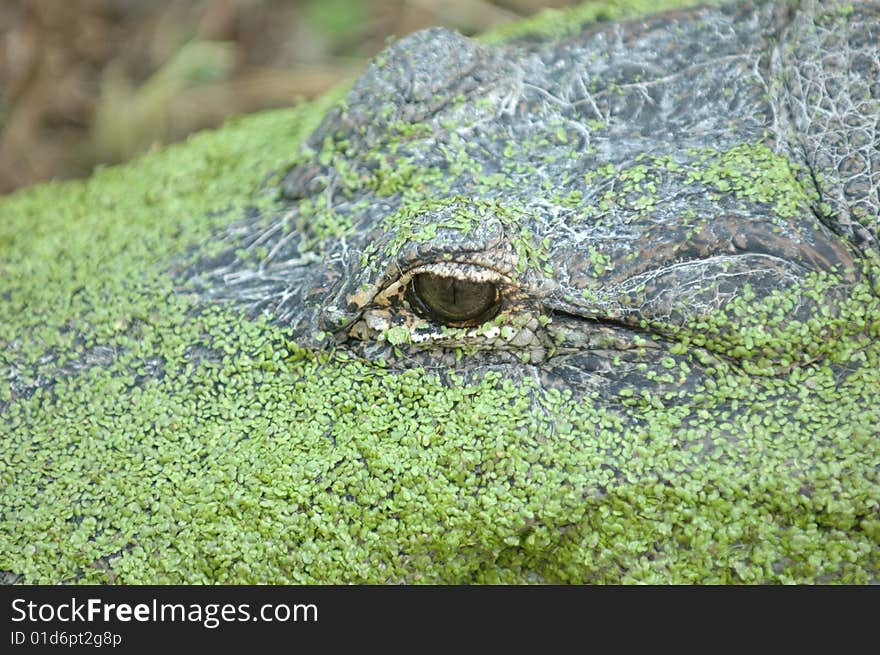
460	270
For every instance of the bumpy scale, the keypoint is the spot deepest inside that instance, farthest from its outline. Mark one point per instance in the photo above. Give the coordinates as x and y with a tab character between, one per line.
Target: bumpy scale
605	198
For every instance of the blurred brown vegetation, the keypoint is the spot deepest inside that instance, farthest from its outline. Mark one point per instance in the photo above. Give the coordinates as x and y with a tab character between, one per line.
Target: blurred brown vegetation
84	82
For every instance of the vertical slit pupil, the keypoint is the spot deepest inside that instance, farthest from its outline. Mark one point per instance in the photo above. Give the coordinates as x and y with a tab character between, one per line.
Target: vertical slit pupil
452	300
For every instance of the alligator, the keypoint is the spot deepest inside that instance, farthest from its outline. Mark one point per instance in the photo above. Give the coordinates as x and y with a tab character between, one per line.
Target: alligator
583	301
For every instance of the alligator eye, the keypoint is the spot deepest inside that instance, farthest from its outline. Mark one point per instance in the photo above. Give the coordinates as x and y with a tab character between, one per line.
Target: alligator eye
451	300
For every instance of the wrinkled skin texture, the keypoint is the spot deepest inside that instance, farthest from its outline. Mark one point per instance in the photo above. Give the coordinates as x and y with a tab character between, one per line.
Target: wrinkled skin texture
243	359
601	183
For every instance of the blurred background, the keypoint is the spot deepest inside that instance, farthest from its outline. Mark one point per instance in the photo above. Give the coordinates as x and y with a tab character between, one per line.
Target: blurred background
84	82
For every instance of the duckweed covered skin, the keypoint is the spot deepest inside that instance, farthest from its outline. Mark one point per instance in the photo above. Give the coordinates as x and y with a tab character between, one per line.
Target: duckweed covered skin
623	187
205	380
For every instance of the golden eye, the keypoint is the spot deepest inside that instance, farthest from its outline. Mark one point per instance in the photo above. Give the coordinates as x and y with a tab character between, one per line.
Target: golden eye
451	300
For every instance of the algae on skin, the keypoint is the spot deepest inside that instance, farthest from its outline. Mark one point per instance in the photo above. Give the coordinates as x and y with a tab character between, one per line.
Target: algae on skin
148	437
566	21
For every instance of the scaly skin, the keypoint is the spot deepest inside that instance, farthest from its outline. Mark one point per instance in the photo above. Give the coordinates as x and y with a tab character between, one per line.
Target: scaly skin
620	188
214	375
